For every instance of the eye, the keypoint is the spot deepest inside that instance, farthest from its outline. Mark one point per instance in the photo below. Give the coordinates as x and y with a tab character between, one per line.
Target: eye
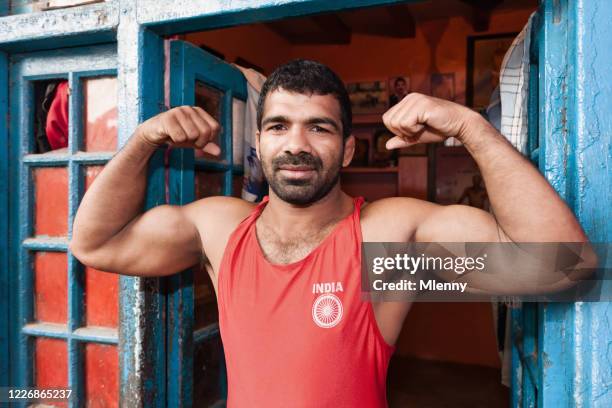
319	129
276	128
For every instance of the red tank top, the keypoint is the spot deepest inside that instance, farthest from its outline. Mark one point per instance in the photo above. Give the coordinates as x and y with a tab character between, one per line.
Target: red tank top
299	335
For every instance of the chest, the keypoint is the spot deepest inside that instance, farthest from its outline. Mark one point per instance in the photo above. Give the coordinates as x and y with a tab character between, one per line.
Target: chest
286	250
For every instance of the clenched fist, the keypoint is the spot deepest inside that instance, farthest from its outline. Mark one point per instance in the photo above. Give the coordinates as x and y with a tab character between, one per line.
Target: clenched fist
184	126
424	119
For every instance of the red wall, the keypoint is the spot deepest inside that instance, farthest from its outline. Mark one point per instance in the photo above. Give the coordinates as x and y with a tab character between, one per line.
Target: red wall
457	332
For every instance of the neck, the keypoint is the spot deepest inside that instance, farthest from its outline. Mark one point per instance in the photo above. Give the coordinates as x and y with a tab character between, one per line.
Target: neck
286	218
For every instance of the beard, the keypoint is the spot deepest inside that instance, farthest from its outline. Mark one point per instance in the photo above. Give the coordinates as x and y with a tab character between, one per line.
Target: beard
301	191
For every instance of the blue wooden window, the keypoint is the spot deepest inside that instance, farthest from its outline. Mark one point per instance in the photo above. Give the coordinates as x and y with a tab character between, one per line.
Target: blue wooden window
75	66
196	75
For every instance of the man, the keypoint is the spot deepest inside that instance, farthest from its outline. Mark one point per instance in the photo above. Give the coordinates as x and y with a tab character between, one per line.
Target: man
287	271
400	90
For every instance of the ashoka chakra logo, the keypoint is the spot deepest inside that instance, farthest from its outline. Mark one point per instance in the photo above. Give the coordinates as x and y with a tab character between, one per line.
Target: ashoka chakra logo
327	310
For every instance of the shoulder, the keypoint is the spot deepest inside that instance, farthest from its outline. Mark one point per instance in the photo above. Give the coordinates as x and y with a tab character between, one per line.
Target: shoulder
216	218
393	219
218	212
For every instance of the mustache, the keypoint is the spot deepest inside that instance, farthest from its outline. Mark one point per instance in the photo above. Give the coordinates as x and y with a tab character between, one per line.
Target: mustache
300	159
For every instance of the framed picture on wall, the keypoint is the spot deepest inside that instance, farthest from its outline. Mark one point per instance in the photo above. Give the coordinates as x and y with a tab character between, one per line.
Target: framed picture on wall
484	59
443	86
368	97
399	86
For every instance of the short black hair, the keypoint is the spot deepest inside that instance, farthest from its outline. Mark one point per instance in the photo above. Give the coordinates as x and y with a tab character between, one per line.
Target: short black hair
308	77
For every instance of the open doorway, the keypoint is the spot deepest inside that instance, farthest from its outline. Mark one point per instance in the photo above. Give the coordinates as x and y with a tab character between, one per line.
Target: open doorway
448	354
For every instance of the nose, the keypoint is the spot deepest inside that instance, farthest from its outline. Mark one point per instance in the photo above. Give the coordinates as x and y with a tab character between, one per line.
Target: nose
297	140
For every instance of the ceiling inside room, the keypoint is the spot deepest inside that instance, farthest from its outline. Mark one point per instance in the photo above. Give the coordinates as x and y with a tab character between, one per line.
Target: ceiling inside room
394	21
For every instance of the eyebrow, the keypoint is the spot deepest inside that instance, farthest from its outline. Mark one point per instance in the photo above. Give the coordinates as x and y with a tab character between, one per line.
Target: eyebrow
310	121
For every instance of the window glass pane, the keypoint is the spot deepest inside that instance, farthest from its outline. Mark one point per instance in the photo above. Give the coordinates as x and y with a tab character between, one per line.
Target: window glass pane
51	201
100	114
211	100
50	364
101	375
101	298
208	362
50	288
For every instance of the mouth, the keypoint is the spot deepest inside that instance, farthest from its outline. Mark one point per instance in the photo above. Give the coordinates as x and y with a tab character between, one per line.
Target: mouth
296	172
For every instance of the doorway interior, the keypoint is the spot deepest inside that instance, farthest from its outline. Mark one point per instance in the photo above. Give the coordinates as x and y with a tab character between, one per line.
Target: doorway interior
448	353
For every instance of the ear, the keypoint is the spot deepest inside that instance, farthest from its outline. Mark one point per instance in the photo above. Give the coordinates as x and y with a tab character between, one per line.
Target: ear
257	136
349	150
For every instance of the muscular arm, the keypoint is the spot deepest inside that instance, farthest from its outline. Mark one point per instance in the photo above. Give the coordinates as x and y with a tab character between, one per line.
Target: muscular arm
110	231
526	207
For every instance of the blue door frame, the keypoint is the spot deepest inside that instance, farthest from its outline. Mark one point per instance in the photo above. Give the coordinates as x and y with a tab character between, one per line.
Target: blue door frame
561	351
575	111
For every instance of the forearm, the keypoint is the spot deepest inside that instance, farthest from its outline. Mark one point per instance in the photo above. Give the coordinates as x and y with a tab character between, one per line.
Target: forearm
115	198
525	205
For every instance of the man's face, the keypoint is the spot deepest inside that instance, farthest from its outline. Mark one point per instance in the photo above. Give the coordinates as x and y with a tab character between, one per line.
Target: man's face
301	146
400	87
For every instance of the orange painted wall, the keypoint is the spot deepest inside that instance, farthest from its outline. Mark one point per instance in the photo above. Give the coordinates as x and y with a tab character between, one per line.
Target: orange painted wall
255	43
457	332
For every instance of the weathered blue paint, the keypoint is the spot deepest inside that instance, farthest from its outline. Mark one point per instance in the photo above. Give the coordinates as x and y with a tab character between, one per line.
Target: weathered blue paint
180	287
153	376
589	186
75	65
91	24
556	331
75	271
4	219
525	379
142	305
574	340
62	159
524	355
84	334
516	374
50	244
529	355
20	221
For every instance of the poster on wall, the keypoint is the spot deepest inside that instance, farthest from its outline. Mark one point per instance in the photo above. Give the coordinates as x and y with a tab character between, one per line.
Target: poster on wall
368	97
485	56
458	180
443	86
399	86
